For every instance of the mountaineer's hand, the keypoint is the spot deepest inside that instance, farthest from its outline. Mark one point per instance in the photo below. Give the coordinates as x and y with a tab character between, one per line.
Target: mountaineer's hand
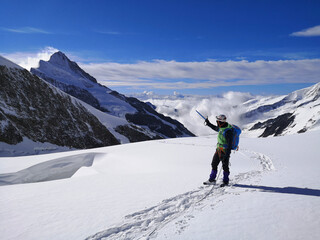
207	122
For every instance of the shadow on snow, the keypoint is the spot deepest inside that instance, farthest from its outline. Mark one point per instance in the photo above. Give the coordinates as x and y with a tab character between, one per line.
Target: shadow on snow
287	190
55	169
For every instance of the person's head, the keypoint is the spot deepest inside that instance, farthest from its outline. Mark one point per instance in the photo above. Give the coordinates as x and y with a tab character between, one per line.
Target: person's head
221	120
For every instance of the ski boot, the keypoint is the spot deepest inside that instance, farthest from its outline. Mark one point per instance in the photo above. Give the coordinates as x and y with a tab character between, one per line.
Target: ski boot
209	182
225	179
212	178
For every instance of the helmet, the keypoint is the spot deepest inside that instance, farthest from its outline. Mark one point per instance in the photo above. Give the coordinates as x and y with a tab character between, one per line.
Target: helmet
221	118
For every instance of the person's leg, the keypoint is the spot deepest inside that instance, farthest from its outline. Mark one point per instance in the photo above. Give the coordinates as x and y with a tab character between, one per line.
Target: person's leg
225	166
214	166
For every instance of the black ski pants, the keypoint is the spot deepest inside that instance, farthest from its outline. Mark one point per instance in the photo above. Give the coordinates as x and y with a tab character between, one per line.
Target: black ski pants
220	156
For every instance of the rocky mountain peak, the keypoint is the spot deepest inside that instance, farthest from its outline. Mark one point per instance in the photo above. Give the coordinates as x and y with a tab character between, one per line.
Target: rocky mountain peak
59	58
60	61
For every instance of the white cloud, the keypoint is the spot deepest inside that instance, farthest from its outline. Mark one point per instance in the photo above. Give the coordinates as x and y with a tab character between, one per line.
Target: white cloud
309	32
161	74
26	30
183	108
191	75
28	60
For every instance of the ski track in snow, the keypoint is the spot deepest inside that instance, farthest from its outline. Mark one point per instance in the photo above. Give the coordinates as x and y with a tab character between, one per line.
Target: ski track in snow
144	224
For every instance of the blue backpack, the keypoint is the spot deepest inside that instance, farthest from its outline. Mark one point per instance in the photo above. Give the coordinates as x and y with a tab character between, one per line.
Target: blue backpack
236	131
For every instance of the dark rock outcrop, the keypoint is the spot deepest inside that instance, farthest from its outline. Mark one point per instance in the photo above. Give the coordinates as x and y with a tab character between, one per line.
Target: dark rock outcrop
275	126
30	107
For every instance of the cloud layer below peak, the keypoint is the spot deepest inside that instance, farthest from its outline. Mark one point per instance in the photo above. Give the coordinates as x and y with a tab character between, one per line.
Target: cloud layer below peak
188	75
174	75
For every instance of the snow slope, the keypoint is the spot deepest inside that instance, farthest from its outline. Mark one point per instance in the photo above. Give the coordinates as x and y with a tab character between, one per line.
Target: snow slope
8	63
154	189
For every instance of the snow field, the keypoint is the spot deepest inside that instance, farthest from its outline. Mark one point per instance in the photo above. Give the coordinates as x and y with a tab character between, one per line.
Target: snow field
279	204
154	190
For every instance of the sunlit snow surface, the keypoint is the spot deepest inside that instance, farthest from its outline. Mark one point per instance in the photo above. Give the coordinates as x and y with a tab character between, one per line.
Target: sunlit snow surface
154	190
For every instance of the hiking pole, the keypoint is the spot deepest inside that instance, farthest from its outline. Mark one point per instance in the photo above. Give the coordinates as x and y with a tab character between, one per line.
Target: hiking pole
219	173
201	115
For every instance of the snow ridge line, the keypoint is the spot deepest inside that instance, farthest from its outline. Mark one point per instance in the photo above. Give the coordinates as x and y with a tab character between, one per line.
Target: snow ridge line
145	224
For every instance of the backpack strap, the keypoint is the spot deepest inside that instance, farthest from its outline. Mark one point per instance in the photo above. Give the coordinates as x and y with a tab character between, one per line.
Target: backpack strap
224	132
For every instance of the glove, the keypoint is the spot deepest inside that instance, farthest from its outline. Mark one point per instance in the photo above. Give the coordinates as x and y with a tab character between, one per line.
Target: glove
207	122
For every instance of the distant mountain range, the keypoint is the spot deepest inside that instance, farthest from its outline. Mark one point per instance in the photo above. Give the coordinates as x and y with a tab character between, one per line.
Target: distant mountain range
61	104
297	112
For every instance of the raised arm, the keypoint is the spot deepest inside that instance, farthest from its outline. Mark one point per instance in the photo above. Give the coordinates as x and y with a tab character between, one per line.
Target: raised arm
209	124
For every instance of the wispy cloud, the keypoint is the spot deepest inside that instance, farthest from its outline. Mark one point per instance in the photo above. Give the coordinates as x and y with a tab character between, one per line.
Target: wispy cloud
309	32
25	30
28	60
163	74
108	32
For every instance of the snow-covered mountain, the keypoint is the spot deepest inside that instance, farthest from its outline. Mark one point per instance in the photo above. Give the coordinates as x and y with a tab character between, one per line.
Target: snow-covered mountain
70	78
143	122
35	111
84	114
297	112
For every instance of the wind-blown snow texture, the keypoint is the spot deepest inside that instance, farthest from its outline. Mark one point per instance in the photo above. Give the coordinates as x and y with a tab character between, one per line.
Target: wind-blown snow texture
154	189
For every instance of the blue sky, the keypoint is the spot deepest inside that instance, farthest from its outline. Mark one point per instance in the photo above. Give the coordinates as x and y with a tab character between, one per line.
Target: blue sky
194	47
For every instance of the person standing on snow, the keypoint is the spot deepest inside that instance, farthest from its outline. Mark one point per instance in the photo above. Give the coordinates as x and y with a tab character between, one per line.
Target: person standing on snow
223	149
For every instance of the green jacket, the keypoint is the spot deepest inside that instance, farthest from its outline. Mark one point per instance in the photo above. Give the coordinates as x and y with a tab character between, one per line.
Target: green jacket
222	140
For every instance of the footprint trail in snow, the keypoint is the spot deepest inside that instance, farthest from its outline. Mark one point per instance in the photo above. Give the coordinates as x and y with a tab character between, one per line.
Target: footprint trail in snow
145	224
